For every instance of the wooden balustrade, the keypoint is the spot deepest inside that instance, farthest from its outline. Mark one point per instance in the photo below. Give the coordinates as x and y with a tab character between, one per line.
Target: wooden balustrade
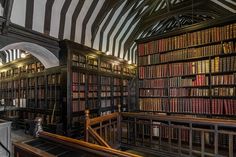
173	135
183	136
104	130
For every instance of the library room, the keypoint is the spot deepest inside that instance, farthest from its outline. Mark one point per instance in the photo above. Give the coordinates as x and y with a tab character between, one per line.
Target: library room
124	78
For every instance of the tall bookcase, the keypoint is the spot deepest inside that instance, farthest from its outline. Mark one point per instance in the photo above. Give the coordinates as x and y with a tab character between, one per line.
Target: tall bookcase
94	81
85	79
190	71
28	91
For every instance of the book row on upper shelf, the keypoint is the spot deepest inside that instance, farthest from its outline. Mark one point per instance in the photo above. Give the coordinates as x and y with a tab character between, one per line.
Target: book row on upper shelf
92	63
214	65
196	81
188	53
189	105
16	71
210	35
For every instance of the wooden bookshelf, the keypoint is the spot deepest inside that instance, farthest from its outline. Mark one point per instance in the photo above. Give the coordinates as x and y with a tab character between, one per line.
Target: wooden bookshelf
85	79
93	81
189	71
28	91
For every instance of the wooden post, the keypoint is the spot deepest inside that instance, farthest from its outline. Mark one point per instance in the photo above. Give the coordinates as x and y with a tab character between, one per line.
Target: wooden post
216	140
202	144
118	124
231	145
87	123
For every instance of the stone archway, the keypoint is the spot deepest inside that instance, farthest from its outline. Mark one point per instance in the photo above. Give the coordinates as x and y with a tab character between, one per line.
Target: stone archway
46	57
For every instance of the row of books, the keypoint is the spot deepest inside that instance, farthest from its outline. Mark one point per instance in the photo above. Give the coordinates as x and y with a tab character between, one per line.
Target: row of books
117	81
92	104
189	105
92	94
78	60
78	77
19	102
54	79
211	50
81	105
149	59
92	79
154	104
92	63
188	53
80	93
92	87
92	91
153	71
188	68
116	93
198	80
186	105
210	35
77	95
129	71
223	91
185	92
76	87
105	66
30	68
224	64
154	83
170	132
41	93
105	103
105	94
117	88
106	88
153	92
227	79
117	68
31	82
125	82
125	93
78	105
105	80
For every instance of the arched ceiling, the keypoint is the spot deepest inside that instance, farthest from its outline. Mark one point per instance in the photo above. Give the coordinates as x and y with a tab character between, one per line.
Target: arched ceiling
113	25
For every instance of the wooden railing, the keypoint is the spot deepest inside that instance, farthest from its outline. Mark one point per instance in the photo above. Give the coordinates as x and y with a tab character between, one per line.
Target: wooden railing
56	142
170	135
103	130
182	136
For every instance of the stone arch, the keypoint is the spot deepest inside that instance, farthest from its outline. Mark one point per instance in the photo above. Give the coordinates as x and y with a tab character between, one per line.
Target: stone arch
46	57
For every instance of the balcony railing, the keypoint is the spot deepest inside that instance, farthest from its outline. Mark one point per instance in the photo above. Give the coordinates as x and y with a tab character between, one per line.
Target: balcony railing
172	135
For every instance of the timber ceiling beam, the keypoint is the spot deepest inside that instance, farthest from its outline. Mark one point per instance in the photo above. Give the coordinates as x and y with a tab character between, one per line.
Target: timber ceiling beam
177	9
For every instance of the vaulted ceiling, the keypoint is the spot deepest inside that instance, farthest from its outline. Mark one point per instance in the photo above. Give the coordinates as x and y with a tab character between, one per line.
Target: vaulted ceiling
114	25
